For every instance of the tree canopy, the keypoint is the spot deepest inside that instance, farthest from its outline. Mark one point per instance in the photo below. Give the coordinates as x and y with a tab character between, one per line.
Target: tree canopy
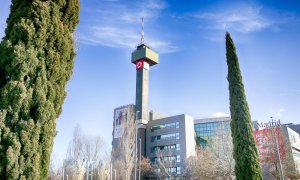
245	153
36	61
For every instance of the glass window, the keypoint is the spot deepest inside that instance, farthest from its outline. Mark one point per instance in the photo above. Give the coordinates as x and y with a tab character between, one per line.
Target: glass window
178	158
177	135
153	149
162	126
178	147
178	169
165	136
153	138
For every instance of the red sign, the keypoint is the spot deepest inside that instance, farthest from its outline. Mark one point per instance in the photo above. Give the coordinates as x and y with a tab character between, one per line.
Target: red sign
266	144
142	64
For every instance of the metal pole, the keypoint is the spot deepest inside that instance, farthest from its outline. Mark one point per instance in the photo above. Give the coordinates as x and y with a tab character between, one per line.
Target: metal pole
111	171
67	177
136	134
140	159
63	173
135	158
92	172
115	174
87	170
278	154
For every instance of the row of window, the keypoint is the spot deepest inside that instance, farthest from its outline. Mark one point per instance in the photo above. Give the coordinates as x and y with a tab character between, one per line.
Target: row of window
162	126
213	125
176	170
166	147
166	158
165	136
212	128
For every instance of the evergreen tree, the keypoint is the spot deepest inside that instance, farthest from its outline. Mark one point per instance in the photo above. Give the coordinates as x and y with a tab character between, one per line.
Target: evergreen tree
36	61
245	153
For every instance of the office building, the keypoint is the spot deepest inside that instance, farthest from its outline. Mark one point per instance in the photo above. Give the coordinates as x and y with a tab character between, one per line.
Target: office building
279	151
208	128
170	139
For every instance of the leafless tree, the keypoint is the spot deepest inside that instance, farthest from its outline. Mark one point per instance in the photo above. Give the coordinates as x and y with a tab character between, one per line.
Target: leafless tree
124	156
55	172
86	154
276	150
165	164
212	161
102	171
147	169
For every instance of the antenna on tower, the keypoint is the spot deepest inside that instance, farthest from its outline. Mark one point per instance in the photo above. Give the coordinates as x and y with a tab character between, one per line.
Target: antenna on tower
142	35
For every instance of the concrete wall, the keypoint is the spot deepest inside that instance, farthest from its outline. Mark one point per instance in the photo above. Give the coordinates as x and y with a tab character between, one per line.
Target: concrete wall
190	136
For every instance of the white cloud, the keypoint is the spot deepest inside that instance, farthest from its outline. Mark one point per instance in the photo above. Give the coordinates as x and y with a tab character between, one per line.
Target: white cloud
243	19
280	111
110	36
118	25
220	114
277	113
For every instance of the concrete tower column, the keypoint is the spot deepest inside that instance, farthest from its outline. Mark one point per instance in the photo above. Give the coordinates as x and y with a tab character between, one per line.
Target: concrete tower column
143	57
142	91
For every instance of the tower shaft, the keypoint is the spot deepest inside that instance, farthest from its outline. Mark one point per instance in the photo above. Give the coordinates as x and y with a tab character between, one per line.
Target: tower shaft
142	94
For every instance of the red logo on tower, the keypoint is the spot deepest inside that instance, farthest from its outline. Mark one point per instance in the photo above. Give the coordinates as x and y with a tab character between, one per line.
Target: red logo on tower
142	64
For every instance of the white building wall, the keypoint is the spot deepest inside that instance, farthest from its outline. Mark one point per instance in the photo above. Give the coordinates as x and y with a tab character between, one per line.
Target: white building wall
190	136
295	145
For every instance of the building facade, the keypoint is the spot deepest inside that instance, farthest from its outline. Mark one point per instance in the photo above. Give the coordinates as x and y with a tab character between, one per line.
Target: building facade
208	128
170	141
122	115
279	151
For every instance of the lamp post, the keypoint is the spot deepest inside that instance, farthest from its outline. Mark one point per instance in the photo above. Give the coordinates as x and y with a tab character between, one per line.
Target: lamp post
63	170
278	152
92	172
111	171
140	159
87	170
136	134
63	173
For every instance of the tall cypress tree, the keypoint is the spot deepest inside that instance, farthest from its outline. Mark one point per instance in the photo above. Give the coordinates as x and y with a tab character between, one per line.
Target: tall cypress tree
245	153
36	61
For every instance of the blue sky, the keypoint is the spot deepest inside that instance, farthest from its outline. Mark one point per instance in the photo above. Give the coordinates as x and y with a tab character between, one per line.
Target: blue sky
191	76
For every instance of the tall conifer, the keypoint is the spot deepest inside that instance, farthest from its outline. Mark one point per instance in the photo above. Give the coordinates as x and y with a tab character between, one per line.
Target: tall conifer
245	153
36	61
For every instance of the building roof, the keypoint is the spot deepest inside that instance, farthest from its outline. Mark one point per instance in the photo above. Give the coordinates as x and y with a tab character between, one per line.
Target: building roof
295	127
212	119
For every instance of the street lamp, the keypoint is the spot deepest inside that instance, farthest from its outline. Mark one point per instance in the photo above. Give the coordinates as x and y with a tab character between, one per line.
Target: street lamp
140	158
87	170
63	170
136	134
111	171
277	149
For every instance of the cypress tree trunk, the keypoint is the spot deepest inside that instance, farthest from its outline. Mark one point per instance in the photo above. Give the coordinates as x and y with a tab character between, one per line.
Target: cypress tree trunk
36	61
247	165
